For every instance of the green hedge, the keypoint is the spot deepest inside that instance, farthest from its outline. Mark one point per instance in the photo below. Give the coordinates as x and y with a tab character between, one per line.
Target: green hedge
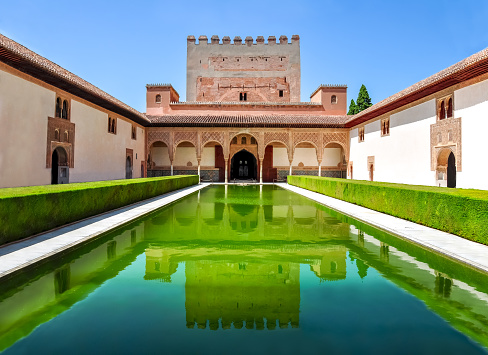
459	211
25	211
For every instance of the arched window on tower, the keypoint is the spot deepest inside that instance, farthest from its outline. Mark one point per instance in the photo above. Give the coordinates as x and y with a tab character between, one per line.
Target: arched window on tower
333	99
243	140
64	113
58	107
234	140
158	99
253	140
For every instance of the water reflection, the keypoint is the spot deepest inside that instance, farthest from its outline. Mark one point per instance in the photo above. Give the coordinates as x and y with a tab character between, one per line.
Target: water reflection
241	259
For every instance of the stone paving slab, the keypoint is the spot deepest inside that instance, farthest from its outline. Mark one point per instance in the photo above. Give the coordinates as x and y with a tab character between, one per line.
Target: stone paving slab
16	256
451	245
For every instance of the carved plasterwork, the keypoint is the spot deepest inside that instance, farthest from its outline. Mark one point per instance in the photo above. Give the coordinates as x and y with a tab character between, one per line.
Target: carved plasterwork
155	136
306	137
214	136
185	137
444	134
282	137
60	133
340	138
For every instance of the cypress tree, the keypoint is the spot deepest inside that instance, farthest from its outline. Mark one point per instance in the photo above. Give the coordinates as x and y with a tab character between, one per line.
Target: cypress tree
353	109
363	101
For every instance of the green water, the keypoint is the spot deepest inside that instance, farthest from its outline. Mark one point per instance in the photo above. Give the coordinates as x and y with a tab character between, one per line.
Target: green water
246	270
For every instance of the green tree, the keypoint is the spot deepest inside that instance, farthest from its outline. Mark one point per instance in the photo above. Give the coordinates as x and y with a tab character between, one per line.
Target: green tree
363	101
353	109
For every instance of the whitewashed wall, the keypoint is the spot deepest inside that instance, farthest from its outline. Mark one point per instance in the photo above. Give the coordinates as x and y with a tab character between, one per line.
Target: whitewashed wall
401	157
471	104
24	108
160	156
307	156
100	155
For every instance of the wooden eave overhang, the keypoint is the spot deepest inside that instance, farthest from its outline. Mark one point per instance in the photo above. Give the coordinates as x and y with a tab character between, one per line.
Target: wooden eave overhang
248	121
28	62
467	69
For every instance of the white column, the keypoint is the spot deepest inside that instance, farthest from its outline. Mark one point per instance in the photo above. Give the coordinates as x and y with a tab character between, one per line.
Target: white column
290	169
199	178
226	163
260	171
320	168
171	168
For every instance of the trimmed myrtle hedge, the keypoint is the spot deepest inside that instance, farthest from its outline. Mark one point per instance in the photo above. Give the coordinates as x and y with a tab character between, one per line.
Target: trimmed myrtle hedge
25	211
459	211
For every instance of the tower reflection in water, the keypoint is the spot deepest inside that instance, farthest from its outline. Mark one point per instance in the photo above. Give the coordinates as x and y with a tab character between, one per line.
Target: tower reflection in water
249	276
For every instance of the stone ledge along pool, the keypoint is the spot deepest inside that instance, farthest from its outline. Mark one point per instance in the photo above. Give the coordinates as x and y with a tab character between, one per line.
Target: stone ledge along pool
246	269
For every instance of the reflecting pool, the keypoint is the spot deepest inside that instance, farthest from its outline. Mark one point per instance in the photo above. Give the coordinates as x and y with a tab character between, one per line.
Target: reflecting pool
246	269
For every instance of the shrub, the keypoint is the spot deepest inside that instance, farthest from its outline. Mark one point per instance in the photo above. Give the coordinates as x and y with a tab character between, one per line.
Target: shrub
459	211
25	211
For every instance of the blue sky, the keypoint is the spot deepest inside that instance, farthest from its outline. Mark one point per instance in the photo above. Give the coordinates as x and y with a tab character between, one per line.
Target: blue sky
120	46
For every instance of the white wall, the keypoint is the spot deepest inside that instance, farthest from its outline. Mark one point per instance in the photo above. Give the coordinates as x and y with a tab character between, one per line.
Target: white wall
307	156
280	156
404	155
208	156
331	157
24	109
160	156
100	155
183	155
471	104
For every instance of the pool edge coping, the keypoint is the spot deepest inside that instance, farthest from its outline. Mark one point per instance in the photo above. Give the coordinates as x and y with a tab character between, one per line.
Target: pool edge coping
31	251
407	232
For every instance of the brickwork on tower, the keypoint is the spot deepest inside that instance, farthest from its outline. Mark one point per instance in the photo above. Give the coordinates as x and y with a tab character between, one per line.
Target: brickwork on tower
249	71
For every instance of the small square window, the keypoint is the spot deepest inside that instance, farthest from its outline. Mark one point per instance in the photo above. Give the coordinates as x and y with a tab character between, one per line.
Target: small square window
281	93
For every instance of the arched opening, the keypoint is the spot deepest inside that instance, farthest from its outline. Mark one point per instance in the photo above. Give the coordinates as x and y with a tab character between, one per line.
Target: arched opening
243	166
446	168
334	161
142	170
185	159
59	167
449	108
158	162
371	169
442	113
128	168
158	98
333	99
451	171
58	107
305	159
212	162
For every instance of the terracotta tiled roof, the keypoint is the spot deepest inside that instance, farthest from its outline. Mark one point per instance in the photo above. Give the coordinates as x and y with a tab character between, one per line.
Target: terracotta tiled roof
468	68
296	121
33	64
246	103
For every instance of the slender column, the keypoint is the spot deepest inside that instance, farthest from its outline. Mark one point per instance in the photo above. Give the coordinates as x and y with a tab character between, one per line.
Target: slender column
320	167
171	168
199	177
260	171
290	168
226	169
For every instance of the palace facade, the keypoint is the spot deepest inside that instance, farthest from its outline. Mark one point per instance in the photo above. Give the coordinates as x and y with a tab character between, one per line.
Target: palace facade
243	120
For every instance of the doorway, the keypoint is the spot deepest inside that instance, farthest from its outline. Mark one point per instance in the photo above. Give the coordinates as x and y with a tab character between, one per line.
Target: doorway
128	168
243	166
59	167
451	171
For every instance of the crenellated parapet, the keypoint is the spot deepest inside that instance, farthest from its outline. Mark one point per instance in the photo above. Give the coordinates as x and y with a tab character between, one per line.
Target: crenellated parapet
249	40
243	68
